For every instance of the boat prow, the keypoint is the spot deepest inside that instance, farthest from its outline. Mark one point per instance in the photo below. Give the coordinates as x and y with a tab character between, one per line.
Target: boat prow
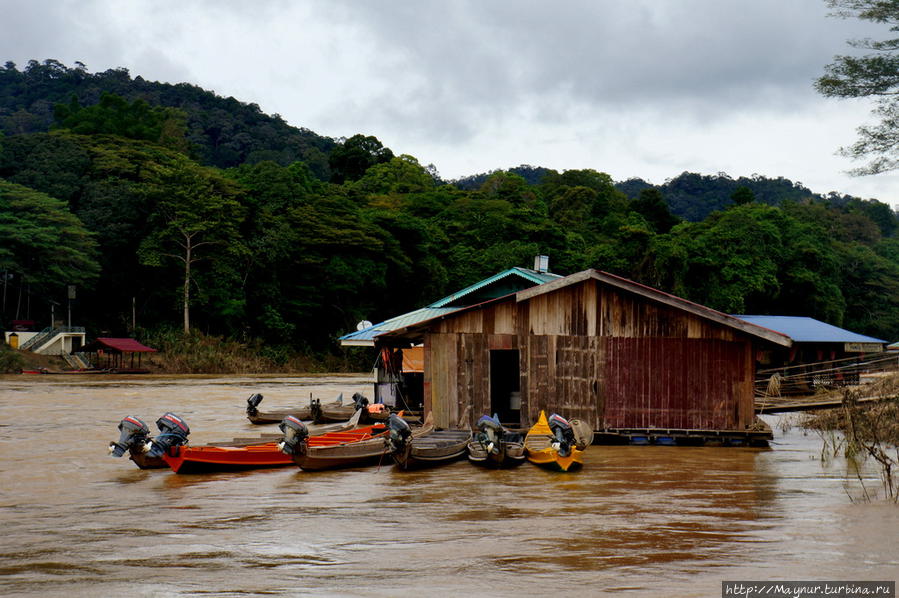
552	447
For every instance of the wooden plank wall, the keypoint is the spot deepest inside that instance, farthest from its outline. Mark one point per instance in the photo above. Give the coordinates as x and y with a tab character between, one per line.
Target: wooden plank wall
674	383
595	353
457	376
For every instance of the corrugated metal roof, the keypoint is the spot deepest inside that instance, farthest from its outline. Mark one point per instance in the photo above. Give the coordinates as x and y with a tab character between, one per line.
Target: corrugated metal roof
809	330
441	307
625	285
125	345
366	336
529	275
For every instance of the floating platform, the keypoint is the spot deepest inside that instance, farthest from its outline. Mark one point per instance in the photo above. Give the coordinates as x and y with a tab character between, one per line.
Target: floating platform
683	437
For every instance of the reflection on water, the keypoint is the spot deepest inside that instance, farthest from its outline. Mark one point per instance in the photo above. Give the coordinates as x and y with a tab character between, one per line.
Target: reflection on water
636	520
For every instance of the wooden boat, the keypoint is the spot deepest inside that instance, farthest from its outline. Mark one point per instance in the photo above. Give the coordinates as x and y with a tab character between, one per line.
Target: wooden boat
351	448
378	412
239	454
364	445
314	411
339	410
306	412
495	446
425	447
551	444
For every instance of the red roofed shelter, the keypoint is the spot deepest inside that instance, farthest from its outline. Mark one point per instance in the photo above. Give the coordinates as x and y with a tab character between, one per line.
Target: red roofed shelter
113	351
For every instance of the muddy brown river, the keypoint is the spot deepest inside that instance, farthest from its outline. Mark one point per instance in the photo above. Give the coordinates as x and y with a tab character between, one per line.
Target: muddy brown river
637	521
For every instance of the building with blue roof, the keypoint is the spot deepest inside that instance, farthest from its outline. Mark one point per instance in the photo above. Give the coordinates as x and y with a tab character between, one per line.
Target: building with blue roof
813	340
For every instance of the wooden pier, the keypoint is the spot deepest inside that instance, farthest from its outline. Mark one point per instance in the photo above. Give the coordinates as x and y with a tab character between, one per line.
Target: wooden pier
825	385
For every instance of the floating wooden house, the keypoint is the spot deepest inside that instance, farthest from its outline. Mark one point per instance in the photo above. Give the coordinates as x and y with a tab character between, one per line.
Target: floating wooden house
399	372
621	356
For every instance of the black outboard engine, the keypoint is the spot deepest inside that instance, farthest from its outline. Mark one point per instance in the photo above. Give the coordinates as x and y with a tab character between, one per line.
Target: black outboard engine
399	435
295	432
173	431
133	435
564	435
491	433
253	403
359	401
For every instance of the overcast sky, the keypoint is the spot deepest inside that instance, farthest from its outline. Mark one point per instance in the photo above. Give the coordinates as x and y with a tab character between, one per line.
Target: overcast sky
634	88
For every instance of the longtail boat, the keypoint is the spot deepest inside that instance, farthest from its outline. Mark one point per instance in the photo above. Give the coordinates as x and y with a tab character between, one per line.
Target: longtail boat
336	410
495	446
425	447
339	410
241	454
134	438
363	445
550	443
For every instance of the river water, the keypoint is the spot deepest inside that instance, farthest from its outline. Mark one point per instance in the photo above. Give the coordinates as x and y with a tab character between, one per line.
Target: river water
636	521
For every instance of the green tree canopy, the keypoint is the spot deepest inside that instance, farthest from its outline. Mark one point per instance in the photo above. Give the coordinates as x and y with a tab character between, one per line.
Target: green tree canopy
196	212
349	160
42	241
874	74
114	115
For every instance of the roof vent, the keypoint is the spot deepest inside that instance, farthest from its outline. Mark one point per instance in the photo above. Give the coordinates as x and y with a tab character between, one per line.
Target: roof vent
541	263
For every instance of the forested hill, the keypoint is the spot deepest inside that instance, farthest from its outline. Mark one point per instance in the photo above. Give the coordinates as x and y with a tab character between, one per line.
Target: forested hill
112	195
694	196
222	132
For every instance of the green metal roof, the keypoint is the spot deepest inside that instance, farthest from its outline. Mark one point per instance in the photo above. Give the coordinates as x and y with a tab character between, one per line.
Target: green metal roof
498	285
366	336
529	275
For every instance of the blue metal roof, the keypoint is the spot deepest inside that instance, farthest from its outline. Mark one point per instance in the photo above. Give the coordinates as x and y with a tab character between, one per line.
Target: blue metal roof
809	330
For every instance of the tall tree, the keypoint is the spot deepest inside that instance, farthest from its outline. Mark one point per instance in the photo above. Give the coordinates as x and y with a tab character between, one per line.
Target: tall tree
876	75
196	209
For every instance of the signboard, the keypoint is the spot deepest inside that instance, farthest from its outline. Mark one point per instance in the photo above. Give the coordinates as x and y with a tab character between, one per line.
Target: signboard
71	291
863	347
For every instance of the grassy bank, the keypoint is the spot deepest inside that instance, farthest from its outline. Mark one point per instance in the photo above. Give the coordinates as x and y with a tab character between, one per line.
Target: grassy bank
197	353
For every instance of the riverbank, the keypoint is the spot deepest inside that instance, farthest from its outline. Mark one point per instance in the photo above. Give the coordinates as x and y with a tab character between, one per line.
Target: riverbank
200	354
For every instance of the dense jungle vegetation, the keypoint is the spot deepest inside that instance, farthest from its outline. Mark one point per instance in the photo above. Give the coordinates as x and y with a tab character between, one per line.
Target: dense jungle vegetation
147	196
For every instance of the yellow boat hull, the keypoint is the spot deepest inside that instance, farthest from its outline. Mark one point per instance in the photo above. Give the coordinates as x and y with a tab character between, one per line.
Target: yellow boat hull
538	447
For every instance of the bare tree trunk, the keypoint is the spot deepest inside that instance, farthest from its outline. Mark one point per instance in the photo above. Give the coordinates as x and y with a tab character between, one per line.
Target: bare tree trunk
187	286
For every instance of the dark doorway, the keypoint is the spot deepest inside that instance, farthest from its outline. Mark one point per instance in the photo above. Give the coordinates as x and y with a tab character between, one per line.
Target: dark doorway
505	386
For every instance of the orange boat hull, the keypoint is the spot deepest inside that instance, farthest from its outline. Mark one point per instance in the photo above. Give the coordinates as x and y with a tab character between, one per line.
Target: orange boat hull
205	459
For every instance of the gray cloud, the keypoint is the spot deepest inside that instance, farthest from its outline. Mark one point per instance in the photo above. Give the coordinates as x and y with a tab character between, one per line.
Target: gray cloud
705	58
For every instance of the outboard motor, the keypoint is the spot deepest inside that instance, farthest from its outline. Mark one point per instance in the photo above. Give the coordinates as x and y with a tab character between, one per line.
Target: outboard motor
133	434
564	435
399	435
359	401
253	404
491	433
173	431
295	432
